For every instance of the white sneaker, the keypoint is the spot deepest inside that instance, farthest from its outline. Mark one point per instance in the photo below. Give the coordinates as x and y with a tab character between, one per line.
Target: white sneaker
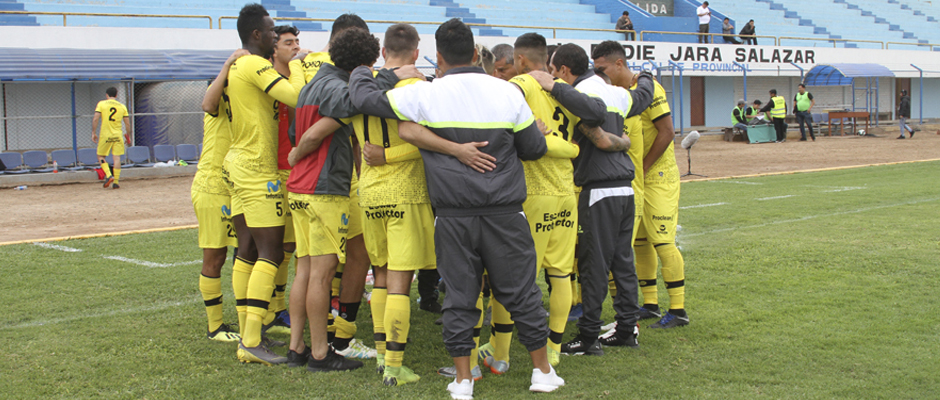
461	390
545	382
358	350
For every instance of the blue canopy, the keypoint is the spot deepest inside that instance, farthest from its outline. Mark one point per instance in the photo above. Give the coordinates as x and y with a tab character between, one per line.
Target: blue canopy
843	74
17	64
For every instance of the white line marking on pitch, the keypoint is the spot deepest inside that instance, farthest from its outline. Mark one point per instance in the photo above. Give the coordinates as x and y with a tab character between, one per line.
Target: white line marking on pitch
111	313
775	197
845	189
57	247
742	182
809	217
702	205
150	264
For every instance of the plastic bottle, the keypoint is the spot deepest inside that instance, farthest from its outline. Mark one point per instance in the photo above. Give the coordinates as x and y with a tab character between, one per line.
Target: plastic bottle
55	167
20	187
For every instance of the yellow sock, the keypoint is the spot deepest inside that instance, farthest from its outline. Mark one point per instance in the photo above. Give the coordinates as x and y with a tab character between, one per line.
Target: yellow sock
337	280
673	274
575	285
211	289
377	305
280	283
501	336
241	272
260	287
559	305
106	168
611	285
475	353
117	175
646	263
397	324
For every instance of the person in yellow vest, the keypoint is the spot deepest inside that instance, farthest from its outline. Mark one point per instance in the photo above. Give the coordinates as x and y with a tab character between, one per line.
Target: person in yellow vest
741	115
803	107
776	110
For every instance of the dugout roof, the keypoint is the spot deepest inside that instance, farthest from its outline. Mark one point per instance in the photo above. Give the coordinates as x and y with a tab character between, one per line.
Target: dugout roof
844	74
19	64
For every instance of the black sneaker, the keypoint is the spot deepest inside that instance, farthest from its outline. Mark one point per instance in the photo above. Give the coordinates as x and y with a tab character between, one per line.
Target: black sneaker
582	346
431	306
116	186
646	313
671	321
912	132
901	137
295	359
332	362
625	337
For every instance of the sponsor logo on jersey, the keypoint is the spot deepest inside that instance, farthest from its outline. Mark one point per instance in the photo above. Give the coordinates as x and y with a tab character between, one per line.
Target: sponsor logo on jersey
662	218
553	220
345	219
299	205
274	190
261	71
384	212
226	211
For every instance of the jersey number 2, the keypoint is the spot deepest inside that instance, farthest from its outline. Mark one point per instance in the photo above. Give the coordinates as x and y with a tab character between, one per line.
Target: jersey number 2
113	111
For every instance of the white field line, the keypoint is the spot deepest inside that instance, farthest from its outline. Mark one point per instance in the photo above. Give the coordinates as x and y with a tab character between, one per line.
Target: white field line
741	182
775	197
57	247
53	321
845	189
702	205
809	217
150	264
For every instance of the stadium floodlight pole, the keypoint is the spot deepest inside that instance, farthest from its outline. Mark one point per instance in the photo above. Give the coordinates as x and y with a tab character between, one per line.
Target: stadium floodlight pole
745	78
921	93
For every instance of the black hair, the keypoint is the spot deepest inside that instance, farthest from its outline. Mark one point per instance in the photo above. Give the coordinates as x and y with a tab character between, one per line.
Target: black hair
705	3
571	56
111	91
550	50
352	48
250	19
758	102
282	29
904	93
503	52
401	38
455	42
609	49
773	91
802	86
535	44
626	13
346	21
602	75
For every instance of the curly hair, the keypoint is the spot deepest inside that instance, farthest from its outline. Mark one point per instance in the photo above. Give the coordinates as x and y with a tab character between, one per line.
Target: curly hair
250	19
354	47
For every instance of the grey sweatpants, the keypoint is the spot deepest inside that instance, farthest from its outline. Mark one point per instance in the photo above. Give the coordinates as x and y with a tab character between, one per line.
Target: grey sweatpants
502	245
606	216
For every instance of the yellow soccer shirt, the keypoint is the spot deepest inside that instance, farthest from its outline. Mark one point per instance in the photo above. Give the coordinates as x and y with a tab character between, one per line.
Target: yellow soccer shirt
255	91
548	176
216	140
303	71
401	180
112	116
665	167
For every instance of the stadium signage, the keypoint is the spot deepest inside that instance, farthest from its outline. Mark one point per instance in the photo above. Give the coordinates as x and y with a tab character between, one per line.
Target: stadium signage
659	8
714	58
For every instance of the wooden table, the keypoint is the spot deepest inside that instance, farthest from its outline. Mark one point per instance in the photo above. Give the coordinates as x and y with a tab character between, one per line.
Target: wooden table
848	114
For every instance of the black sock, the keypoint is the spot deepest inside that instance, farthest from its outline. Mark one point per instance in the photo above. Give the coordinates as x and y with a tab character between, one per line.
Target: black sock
652	307
678	312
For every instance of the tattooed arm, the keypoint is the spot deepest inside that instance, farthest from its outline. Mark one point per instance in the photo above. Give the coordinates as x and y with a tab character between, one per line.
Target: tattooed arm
604	140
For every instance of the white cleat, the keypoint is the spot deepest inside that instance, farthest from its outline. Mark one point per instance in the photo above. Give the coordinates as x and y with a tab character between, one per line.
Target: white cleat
545	383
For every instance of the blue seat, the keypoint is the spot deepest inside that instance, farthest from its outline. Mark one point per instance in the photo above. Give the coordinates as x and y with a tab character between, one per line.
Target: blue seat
13	162
164	152
66	160
88	158
36	161
139	156
110	160
188	153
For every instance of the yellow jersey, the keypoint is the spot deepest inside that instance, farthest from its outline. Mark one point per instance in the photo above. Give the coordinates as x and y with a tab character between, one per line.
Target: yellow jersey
112	115
216	140
548	176
255	91
401	180
665	167
303	71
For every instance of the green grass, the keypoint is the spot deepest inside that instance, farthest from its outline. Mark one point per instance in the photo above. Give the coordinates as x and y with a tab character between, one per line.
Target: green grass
830	293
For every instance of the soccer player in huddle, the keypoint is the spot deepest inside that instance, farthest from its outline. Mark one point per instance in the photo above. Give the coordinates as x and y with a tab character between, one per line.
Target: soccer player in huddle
480	223
213	203
250	170
502	62
111	140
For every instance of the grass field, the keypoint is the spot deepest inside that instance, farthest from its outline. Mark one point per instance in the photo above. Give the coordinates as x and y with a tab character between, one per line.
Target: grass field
813	285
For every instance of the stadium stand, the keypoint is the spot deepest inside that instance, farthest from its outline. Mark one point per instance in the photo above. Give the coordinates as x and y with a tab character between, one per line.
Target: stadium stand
187	152
13	161
88	158
66	160
164	153
139	156
36	161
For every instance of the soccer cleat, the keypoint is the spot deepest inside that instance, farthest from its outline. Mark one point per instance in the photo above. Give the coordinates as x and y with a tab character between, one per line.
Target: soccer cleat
268	342
582	346
485	351
115	186
901	137
621	338
802	139
380	363
332	362
280	324
497	367
259	354
544	383
646	313
357	349
108	181
554	357
576	312
462	390
670	320
224	333
397	376
295	359
451	372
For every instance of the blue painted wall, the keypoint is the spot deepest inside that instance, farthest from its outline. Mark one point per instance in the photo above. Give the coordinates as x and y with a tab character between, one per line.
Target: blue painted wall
931	98
719	100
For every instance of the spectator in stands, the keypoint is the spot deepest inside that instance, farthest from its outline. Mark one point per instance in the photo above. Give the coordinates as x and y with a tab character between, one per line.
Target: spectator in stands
747	33
728	29
776	110
704	17
740	117
803	107
904	112
502	53
625	24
